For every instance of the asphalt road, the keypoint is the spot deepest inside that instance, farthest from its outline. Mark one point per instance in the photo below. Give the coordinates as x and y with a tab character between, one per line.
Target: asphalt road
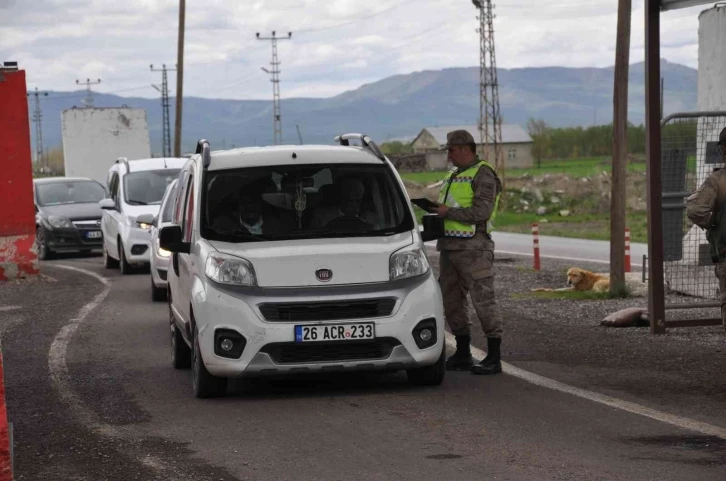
93	396
563	248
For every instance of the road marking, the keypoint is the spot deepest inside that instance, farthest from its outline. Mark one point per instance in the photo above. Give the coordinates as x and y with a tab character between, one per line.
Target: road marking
58	365
9	308
536	379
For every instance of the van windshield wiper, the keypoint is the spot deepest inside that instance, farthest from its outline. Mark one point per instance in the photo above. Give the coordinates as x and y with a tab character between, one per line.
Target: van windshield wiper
136	202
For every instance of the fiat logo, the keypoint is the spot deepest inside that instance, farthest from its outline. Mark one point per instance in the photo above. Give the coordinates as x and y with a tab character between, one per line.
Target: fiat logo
324	275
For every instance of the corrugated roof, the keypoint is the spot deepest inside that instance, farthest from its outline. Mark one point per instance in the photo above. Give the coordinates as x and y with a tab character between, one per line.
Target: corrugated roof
511	133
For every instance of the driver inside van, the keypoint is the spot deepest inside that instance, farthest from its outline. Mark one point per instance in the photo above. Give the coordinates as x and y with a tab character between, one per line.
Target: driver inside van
249	215
352	192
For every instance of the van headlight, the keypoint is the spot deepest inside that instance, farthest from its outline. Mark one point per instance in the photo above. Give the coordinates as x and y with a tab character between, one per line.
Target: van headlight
161	252
227	269
408	263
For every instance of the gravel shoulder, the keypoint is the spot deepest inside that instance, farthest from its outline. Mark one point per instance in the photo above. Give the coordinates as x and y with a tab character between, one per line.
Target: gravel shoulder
680	372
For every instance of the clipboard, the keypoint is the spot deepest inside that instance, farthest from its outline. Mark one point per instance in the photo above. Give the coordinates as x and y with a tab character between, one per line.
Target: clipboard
425	204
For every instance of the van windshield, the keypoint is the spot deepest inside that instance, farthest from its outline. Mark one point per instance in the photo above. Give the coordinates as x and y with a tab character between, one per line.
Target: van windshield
148	186
303	202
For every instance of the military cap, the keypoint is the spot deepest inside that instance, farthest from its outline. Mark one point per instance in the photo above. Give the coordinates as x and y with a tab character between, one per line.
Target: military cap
458	137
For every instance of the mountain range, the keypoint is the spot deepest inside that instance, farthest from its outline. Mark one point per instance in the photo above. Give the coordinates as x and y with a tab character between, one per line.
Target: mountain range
398	107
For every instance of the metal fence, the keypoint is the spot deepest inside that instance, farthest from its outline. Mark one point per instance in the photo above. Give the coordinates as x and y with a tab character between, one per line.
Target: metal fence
688	154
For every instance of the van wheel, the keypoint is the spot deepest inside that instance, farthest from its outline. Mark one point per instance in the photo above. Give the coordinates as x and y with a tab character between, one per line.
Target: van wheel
124	266
181	355
158	294
432	375
205	385
108	261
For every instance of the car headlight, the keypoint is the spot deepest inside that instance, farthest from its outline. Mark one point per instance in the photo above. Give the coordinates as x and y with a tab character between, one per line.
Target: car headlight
60	222
227	269
161	252
408	263
141	225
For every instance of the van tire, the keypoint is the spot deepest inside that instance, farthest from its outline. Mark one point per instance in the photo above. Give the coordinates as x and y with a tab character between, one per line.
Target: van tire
124	266
181	354
204	384
432	375
108	261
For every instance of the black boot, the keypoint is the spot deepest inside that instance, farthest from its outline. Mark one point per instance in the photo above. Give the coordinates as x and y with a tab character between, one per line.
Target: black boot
491	364
461	360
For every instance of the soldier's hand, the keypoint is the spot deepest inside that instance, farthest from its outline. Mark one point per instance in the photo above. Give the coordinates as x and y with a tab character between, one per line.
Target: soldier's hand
441	210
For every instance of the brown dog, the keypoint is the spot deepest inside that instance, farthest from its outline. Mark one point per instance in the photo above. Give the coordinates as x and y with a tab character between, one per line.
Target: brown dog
582	280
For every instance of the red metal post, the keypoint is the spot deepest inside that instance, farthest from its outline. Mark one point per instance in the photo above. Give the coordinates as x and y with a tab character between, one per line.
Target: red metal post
17	218
535	239
627	249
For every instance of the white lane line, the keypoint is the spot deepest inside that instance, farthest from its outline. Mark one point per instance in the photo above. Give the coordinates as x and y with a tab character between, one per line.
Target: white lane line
9	308
58	365
536	379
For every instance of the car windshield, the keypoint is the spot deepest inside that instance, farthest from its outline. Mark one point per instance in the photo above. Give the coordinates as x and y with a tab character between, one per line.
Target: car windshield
69	192
147	187
169	206
303	202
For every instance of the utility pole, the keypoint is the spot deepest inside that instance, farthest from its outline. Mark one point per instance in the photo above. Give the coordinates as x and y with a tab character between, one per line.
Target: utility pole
275	73
166	130
37	118
490	122
89	94
620	149
179	79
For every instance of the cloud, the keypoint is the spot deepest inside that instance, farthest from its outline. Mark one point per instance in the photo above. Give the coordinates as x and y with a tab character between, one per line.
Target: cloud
335	46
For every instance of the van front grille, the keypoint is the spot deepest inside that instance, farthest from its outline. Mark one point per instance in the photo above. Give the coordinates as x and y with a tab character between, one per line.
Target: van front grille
303	353
328	311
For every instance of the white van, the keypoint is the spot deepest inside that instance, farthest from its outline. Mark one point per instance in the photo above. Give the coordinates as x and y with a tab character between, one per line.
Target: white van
136	188
299	259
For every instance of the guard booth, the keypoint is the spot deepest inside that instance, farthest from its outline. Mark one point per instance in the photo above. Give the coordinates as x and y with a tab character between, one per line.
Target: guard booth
17	212
682	288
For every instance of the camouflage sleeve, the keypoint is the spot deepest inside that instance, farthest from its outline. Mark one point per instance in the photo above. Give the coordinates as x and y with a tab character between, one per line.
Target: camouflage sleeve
486	186
701	205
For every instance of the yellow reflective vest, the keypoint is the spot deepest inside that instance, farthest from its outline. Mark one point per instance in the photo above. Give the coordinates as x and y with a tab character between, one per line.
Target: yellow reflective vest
457	192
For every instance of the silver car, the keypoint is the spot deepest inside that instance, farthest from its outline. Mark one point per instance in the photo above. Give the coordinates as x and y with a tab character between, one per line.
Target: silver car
159	258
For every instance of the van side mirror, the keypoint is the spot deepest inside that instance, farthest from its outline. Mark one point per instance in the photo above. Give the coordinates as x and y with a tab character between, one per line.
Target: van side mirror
107	204
170	239
433	227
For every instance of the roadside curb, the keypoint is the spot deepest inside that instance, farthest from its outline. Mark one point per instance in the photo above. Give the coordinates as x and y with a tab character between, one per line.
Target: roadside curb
6	470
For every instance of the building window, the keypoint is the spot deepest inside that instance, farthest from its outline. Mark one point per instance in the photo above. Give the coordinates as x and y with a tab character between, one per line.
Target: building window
512	155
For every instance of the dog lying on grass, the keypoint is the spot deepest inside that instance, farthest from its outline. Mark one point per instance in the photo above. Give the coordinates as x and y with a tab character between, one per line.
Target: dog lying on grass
581	280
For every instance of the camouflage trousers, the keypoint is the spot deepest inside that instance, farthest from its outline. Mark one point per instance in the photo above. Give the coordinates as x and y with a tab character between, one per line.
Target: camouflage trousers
470	272
721	276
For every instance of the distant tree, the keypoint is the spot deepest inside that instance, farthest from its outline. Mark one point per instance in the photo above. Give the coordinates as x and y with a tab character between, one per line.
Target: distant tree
396	147
540	133
55	161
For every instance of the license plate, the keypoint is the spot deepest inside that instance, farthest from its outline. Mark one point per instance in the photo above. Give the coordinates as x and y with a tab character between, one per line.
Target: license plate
340	332
94	234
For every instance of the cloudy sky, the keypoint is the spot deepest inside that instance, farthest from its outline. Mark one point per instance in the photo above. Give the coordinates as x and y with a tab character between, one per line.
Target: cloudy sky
336	45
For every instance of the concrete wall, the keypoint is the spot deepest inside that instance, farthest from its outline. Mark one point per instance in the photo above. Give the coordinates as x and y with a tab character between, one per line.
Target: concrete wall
712	59
94	138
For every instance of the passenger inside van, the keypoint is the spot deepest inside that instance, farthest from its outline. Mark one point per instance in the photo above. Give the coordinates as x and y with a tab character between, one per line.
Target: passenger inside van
251	214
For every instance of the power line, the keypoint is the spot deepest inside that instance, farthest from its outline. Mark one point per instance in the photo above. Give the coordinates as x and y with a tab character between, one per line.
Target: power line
275	73
166	129
356	18
89	94
37	119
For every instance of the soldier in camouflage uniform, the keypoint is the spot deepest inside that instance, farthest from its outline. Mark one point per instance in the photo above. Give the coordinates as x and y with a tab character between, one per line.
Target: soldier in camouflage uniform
468	203
707	209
